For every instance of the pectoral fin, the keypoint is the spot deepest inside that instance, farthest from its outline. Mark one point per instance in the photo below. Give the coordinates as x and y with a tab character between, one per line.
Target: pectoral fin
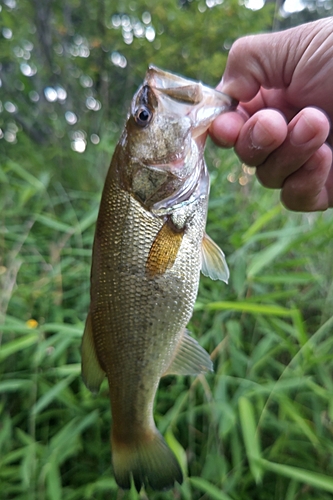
164	250
92	373
213	263
190	358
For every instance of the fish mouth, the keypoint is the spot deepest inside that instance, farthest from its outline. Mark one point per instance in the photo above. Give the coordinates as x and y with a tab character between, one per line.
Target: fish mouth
198	102
201	105
175	165
193	99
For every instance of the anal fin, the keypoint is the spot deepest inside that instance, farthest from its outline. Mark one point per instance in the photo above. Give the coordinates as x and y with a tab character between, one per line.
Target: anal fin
190	358
92	373
213	263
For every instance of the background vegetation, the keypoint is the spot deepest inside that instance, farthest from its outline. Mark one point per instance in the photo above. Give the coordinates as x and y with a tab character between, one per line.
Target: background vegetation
261	426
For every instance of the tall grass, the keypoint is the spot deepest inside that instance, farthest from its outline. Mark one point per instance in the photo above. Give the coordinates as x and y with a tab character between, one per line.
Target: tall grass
259	428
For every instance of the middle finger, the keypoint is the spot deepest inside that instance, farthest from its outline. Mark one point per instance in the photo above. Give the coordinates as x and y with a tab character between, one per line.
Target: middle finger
306	133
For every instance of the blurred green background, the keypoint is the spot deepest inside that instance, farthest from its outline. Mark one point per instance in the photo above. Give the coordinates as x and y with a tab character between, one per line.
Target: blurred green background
261	426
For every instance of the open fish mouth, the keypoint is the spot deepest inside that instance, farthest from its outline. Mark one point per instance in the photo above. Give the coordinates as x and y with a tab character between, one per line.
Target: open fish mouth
186	98
193	99
199	104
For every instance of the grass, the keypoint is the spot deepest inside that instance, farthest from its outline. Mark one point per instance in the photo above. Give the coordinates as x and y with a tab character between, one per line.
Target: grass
260	427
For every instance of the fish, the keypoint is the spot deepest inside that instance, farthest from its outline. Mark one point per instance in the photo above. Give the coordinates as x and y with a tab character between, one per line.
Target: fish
149	247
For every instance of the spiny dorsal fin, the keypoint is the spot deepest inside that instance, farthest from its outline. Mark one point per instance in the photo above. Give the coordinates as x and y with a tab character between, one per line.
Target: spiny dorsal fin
164	250
190	358
213	263
92	373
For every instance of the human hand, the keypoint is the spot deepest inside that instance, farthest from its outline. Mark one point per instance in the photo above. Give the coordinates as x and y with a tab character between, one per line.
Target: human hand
284	83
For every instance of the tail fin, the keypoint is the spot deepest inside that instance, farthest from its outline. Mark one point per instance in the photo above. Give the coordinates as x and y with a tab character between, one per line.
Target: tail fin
149	461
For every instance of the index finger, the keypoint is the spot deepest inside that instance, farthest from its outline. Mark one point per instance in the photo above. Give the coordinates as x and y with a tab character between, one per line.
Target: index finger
226	128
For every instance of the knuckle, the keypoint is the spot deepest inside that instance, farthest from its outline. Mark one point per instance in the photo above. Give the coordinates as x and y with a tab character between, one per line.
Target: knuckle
267	178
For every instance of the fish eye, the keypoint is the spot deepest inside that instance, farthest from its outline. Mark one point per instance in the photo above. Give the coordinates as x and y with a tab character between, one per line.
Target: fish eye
143	115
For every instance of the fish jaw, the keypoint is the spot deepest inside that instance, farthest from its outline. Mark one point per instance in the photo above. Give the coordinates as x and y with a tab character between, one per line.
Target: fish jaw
202	104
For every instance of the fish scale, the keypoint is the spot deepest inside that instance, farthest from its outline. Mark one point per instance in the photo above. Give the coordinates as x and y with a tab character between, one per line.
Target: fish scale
144	325
172	293
149	247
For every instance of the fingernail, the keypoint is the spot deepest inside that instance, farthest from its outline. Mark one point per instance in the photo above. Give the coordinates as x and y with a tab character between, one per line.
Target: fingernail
260	137
302	132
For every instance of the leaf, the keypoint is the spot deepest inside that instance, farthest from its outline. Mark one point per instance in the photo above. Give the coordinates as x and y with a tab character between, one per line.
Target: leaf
305	476
102	484
212	491
16	345
53	223
261	222
87	221
290	278
29	463
69	330
292	410
24	174
14	385
177	449
53	481
266	256
51	394
248	306
250	435
65	370
65	442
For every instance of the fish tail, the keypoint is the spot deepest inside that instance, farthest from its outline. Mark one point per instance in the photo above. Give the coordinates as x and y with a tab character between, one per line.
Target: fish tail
148	460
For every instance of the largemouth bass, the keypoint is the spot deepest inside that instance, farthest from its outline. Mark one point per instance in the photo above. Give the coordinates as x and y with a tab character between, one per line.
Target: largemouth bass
149	247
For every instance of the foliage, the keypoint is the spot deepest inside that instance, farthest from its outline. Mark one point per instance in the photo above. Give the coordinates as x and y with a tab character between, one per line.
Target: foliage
69	71
313	10
261	425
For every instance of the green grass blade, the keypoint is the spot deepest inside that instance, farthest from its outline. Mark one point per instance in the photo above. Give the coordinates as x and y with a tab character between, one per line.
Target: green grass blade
54	224
25	175
209	489
177	449
309	477
16	345
104	484
261	222
266	256
65	442
250	435
51	394
87	221
53	482
248	307
14	385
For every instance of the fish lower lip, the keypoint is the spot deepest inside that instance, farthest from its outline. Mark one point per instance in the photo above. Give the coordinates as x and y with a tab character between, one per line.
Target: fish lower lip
177	164
174	166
